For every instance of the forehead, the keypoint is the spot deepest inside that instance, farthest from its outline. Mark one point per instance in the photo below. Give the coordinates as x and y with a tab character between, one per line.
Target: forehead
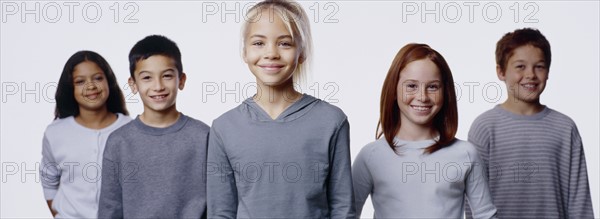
266	21
155	63
526	53
420	70
86	68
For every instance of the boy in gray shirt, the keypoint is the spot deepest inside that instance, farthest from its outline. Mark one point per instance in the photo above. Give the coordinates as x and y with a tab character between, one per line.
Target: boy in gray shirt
154	166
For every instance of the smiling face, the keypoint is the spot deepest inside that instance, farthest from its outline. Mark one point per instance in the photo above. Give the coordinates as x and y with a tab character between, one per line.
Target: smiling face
270	51
525	75
91	87
157	81
420	95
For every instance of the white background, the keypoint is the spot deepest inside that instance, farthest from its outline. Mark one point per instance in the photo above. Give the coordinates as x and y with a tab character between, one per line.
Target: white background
354	47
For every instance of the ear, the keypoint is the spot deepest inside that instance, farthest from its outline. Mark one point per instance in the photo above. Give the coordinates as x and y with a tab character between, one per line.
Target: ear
132	85
301	58
244	55
501	75
182	80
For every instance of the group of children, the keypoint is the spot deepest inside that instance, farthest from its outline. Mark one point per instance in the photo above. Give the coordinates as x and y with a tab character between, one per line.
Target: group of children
284	154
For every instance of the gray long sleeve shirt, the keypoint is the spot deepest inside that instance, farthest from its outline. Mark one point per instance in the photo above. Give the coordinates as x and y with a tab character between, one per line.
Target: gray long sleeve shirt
294	166
416	185
536	164
150	172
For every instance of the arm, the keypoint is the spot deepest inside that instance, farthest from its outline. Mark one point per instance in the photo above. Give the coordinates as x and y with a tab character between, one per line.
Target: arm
49	202
361	180
479	137
221	191
50	174
476	188
110	204
340	193
580	201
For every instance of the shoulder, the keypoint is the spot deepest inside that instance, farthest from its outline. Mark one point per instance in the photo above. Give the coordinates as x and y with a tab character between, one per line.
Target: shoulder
559	118
466	148
486	118
64	126
123	119
232	114
127	129
376	147
328	112
197	125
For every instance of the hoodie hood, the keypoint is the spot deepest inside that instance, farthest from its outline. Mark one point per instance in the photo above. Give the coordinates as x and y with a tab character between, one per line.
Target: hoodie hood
294	111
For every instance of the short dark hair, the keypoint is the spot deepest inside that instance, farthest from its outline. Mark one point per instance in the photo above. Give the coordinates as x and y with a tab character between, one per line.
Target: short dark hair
66	105
154	45
521	37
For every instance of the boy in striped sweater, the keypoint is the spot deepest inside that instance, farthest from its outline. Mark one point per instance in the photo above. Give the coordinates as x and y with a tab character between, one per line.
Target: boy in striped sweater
534	155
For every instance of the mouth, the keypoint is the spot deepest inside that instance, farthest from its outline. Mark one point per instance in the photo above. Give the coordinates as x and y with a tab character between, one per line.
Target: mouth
421	108
529	86
92	96
271	67
159	97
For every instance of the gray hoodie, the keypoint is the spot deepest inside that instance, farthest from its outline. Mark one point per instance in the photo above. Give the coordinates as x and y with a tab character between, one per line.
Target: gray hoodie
295	166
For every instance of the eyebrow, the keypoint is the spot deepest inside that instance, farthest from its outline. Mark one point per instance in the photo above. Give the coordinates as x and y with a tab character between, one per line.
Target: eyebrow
521	60
427	82
149	72
93	74
263	36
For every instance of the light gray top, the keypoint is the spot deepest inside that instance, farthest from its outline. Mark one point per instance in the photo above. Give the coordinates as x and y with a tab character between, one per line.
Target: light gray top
71	165
294	166
151	172
411	184
536	164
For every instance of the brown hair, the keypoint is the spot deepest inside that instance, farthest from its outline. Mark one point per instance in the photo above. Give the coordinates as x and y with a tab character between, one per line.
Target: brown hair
521	37
445	122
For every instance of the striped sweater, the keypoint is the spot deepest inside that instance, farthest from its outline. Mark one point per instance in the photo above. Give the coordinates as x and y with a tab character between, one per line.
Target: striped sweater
536	164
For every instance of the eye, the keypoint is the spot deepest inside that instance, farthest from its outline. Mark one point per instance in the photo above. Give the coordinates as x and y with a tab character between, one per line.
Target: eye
411	86
79	82
433	87
520	67
258	43
286	44
168	76
540	66
99	78
146	77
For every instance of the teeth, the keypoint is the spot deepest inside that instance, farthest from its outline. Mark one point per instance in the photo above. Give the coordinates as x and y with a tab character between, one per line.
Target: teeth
529	85
421	108
158	96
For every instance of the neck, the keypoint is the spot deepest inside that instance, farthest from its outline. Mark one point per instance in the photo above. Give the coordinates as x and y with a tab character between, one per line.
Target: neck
95	119
412	132
522	108
160	119
275	99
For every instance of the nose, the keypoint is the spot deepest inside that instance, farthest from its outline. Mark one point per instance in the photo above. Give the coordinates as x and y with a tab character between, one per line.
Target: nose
158	85
423	96
530	73
90	85
271	52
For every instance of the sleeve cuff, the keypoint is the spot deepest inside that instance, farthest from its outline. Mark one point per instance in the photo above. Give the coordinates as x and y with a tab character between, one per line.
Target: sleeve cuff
50	193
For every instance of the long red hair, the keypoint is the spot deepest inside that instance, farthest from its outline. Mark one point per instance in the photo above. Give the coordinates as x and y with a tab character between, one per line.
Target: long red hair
445	122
